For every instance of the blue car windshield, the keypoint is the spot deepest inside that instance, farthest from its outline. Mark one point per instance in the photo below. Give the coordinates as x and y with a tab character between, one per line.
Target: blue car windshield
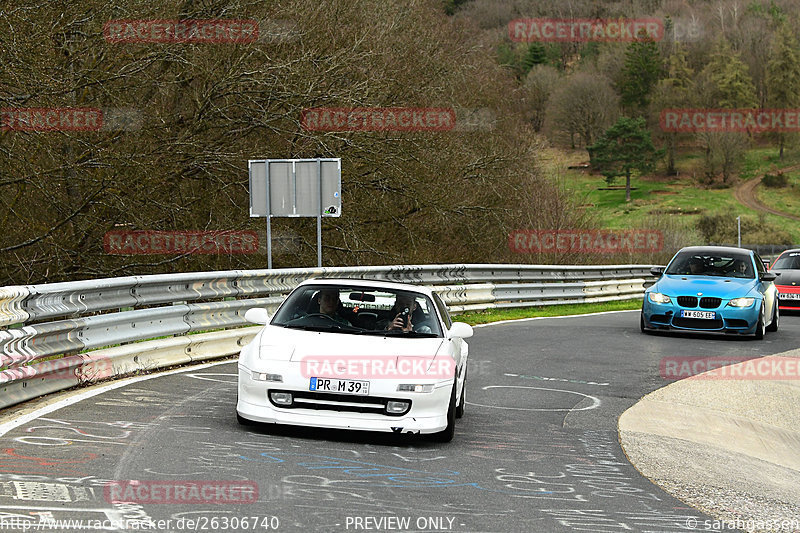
708	264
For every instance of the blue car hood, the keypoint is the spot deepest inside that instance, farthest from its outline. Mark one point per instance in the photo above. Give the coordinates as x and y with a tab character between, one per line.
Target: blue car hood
718	287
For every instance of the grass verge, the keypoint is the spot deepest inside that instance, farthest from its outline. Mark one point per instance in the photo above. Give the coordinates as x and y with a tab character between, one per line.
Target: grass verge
495	315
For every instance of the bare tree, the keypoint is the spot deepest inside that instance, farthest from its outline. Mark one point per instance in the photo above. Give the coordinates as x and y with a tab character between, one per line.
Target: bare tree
581	109
540	84
722	154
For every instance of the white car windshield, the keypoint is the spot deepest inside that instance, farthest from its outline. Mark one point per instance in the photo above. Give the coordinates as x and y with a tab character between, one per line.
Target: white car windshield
359	310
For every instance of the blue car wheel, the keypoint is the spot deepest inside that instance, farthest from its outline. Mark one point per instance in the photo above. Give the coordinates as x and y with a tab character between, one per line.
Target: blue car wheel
760	324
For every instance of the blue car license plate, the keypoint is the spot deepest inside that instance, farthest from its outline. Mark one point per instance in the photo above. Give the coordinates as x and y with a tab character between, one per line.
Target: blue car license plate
705	315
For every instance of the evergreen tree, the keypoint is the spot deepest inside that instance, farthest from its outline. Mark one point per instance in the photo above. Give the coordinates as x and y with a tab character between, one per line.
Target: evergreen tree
640	73
624	148
783	75
674	91
536	55
730	86
731	79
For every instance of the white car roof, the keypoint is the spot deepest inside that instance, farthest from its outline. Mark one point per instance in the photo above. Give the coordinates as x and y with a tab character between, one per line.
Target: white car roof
376	284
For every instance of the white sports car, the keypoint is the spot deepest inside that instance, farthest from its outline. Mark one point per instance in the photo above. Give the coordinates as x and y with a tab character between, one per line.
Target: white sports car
356	354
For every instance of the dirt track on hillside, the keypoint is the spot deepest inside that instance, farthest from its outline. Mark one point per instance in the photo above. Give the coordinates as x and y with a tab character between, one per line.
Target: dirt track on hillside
745	193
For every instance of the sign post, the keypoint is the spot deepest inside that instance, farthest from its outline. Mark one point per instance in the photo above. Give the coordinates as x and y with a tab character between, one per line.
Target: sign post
295	188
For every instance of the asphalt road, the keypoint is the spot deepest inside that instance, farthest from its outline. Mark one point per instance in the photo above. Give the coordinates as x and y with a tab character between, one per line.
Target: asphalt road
536	451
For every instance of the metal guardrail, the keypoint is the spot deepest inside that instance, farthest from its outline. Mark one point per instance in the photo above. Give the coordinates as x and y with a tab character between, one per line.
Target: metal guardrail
39	323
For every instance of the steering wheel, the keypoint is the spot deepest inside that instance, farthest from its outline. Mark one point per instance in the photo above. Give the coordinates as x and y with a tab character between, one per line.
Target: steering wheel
321	315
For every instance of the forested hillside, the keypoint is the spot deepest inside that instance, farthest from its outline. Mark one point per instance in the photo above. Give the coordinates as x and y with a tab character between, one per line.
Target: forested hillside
180	119
194	113
725	54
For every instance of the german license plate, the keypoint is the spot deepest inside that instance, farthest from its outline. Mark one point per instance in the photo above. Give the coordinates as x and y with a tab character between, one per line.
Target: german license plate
706	315
789	296
340	386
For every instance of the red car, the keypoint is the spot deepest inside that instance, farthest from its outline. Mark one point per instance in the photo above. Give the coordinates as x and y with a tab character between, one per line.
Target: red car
788	283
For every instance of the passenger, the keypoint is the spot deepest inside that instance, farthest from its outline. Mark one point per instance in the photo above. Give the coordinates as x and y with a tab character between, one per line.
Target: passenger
405	317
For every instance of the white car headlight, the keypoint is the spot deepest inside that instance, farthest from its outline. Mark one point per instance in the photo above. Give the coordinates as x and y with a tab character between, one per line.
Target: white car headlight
741	302
658	298
260	376
413	387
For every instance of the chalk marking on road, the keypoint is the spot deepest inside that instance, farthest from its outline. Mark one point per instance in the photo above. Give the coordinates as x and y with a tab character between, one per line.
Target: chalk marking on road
595	401
65	402
564	380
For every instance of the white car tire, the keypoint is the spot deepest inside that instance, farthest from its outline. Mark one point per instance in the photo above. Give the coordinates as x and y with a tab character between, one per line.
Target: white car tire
447	434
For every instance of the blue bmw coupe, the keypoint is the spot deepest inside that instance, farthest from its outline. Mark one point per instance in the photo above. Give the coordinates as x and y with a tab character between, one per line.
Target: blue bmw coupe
712	289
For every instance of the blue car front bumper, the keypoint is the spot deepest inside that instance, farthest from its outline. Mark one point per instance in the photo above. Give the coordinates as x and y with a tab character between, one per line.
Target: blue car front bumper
731	320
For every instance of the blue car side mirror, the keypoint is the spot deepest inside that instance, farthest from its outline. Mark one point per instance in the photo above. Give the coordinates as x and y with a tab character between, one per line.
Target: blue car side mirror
768	276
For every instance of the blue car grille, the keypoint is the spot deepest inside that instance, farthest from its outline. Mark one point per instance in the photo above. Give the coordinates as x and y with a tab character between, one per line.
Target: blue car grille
705	303
696	323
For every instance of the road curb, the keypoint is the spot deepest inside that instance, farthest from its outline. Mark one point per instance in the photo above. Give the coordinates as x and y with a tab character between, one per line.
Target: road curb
729	447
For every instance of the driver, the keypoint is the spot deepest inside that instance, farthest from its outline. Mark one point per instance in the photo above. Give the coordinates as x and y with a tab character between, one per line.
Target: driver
329	305
696	265
740	268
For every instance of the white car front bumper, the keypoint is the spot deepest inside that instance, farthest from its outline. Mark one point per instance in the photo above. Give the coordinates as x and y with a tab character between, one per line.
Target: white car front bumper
428	412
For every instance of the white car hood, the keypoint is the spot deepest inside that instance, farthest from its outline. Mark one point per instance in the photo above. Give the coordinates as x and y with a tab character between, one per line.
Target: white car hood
277	343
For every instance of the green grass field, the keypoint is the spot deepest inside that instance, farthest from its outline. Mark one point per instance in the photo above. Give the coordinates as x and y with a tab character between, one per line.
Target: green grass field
680	198
496	315
786	199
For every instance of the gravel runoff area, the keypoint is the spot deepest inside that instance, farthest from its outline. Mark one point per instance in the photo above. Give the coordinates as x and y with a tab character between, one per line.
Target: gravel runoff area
725	444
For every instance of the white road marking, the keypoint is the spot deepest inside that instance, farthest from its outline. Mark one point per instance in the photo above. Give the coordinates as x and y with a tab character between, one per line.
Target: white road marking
201	377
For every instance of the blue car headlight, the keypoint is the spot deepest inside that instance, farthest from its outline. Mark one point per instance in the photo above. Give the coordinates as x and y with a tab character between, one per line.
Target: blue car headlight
658	298
741	302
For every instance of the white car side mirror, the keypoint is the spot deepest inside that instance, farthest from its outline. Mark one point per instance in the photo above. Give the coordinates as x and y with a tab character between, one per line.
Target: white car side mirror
461	330
257	315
